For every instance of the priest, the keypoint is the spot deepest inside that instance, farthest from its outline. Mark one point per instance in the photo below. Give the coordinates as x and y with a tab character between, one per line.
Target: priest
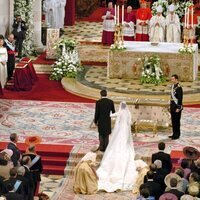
60	20
157	26
108	25
129	25
143	15
173	28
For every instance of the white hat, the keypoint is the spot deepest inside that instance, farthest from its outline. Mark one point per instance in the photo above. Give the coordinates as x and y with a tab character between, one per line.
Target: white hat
171	8
159	9
9	152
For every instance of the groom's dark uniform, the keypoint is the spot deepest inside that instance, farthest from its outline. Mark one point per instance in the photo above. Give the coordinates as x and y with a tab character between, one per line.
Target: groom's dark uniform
102	118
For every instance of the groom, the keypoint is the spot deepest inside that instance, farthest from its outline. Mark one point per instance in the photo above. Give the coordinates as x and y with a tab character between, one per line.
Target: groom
102	119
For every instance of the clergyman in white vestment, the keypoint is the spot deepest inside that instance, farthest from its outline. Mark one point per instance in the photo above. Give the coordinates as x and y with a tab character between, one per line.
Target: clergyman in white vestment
50	9
157	26
117	169
60	13
173	28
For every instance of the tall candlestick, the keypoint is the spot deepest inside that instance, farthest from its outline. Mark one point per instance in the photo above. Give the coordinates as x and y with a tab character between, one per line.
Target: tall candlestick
192	20
188	15
118	15
115	14
185	17
122	14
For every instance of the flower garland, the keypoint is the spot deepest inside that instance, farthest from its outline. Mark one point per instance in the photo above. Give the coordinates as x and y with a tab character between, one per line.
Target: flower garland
180	7
68	64
152	73
25	9
186	50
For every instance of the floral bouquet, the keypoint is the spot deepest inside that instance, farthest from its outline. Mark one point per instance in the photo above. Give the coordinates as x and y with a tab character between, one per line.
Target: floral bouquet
186	50
152	73
118	46
67	44
65	68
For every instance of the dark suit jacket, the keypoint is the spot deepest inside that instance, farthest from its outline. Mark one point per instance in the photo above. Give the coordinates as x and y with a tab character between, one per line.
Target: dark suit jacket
36	169
20	34
154	189
16	153
165	158
13	196
102	115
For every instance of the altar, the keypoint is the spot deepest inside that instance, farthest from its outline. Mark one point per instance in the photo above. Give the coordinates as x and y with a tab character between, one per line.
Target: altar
126	64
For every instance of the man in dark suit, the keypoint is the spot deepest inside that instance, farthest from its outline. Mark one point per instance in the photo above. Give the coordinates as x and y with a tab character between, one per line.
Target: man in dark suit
176	106
163	157
102	119
13	146
19	31
35	167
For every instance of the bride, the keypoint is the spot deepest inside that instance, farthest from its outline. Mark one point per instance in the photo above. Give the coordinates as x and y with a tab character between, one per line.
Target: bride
117	169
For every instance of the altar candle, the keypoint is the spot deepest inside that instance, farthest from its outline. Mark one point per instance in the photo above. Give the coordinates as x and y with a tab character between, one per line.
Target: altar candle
192	11
118	15
188	15
185	16
115	14
122	14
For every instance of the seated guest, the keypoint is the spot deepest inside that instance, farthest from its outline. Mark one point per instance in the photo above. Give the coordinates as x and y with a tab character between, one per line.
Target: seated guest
13	146
185	167
168	196
173	27
152	168
157	26
194	177
35	167
26	162
144	194
185	182
16	184
154	188
20	176
129	23
108	25
85	178
164	157
193	189
12	194
196	167
5	164
174	184
160	175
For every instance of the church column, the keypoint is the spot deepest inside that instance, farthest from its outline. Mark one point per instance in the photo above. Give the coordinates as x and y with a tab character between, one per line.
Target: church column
11	14
37	17
4	16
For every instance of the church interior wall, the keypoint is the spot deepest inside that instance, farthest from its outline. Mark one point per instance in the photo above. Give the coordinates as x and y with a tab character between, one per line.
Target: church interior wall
4	16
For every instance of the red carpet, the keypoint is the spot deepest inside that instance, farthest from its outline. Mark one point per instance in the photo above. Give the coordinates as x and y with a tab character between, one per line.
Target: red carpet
176	156
45	90
41	59
54	157
193	106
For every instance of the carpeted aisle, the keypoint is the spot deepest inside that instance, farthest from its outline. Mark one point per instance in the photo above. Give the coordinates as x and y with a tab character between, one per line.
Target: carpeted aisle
45	90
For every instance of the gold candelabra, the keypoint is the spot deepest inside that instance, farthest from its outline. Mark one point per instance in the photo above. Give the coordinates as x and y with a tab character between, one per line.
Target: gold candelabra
119	36
188	36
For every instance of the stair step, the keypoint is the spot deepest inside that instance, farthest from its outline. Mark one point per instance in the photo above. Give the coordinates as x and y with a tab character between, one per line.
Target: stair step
58	161
55	170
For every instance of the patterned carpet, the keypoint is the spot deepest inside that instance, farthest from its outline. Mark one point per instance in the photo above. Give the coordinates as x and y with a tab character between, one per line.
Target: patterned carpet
68	123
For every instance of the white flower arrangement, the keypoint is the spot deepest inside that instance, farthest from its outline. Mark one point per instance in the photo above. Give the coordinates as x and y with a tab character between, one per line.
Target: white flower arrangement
179	7
186	50
118	46
25	9
68	64
152	73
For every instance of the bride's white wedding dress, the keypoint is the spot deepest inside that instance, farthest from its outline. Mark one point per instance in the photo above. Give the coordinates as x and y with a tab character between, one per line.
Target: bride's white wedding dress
117	169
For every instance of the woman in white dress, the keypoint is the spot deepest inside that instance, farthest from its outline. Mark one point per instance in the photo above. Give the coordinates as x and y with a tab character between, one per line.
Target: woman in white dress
117	169
3	60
